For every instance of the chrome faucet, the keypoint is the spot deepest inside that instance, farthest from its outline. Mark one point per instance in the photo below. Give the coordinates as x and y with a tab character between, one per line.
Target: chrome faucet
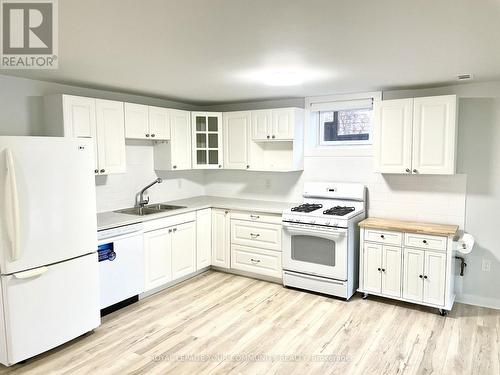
142	201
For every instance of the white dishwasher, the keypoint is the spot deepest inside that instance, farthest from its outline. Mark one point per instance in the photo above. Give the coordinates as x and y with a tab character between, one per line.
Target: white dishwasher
121	266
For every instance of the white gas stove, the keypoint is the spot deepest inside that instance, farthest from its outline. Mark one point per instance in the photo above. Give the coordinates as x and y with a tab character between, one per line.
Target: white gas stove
321	239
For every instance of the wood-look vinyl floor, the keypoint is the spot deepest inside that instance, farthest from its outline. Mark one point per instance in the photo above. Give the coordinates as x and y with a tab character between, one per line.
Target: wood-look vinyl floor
221	323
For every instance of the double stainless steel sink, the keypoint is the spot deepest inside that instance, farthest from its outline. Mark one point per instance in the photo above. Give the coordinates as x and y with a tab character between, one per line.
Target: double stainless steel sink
149	209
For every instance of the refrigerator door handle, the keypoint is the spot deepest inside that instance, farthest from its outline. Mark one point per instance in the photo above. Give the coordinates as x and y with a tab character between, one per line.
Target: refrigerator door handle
12	202
30	273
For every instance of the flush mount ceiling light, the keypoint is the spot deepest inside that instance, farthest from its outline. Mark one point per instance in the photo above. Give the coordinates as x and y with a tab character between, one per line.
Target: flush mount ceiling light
288	76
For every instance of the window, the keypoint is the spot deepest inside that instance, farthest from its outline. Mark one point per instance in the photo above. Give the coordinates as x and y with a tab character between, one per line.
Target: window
345	126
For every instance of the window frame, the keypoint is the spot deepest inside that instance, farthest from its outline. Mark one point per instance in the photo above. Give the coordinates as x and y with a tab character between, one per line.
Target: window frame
352	142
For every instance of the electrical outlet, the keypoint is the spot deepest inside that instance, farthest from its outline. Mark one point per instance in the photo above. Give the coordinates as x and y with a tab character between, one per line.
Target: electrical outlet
486	266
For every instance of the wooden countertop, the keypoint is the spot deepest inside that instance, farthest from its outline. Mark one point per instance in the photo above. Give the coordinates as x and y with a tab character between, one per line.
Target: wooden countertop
409	226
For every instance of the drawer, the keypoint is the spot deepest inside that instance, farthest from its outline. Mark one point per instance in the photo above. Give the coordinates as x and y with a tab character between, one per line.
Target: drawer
384	236
425	241
258	261
256	217
262	235
169	221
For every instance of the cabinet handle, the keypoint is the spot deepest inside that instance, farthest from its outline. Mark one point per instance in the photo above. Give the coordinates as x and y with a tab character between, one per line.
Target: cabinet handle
96	170
152	135
420	276
383	269
248	166
425	241
255	217
102	171
273	137
170	231
425	277
408	170
220	165
415	171
254	235
226	212
379	269
382	236
255	260
147	135
268	137
175	167
174	230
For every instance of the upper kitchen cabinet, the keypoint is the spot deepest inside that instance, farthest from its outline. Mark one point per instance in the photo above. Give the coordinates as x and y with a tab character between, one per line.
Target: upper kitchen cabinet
146	122
175	154
276	124
207	140
236	139
416	136
101	120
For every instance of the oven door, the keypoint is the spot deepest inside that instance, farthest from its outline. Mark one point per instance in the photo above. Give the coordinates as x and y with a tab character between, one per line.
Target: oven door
316	251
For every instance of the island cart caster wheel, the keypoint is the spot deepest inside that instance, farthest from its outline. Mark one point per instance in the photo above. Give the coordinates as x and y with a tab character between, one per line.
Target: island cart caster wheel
443	312
365	296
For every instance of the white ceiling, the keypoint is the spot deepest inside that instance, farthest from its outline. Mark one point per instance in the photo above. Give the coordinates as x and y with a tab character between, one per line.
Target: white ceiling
204	51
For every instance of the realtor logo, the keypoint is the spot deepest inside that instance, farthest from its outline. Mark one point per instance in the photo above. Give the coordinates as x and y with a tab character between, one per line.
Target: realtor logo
29	34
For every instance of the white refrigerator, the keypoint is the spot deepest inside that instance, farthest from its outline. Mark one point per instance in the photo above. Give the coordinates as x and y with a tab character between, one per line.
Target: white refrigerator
48	242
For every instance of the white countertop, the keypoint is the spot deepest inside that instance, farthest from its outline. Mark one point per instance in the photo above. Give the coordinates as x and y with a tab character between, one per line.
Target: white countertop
106	220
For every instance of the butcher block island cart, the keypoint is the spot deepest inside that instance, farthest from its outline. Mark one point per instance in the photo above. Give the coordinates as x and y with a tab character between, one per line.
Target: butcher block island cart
408	261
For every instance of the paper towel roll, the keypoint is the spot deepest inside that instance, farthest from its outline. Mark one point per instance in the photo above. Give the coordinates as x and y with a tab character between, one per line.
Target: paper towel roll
464	243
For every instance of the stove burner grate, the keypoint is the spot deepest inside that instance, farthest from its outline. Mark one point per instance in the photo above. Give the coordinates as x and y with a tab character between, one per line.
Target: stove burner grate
339	210
307	207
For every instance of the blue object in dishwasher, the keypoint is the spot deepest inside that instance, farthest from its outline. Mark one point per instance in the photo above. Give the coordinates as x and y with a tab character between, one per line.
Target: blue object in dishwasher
106	252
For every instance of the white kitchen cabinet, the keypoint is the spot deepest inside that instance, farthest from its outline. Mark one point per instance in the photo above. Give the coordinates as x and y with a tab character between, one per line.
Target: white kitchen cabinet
221	238
183	249
416	136
175	154
136	121
411	266
434	138
236	139
110	136
146	122
207	147
434	277
203	238
79	116
158	258
393	135
276	124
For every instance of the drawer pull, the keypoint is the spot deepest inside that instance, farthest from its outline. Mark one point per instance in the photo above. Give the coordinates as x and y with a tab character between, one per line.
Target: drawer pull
254	235
382	236
425	277
424	241
420	276
255	260
379	269
255	217
383	269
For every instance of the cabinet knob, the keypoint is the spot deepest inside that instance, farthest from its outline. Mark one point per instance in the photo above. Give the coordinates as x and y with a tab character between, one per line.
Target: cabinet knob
273	137
415	171
382	236
383	269
268	137
420	276
175	166
170	231
220	166
102	171
174	230
248	166
425	277
147	135
226	212
152	135
408	170
379	269
424	241
255	260
96	170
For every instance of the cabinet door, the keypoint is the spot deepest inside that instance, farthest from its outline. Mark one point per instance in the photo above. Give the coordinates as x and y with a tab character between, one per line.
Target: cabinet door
183	249
434	140
261	125
413	273
372	267
110	136
220	238
136	121
159	123
434	277
393	135
157	258
283	122
180	128
207	140
79	115
203	238
236	139
391	271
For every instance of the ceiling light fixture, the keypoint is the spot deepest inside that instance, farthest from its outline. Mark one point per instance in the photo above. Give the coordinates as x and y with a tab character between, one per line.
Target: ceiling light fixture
283	76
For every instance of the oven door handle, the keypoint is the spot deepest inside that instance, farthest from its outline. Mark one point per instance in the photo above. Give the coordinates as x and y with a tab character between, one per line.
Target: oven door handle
326	234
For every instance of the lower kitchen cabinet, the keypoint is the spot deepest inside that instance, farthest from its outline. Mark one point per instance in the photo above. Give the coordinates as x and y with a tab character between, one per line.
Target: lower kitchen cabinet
158	258
255	260
416	267
183	249
203	238
221	238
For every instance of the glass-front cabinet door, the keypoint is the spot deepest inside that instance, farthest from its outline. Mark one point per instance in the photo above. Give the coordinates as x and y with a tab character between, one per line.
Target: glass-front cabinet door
207	140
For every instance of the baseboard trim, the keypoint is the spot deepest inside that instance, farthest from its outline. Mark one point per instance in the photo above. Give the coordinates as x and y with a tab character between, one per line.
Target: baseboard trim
248	274
470	299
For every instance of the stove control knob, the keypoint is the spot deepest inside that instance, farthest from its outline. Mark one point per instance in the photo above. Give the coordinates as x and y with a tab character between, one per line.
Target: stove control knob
327	223
313	221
